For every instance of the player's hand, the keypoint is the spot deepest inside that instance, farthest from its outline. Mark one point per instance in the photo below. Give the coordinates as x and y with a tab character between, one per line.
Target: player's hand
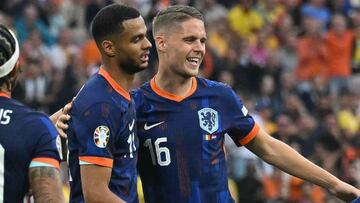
346	192
61	123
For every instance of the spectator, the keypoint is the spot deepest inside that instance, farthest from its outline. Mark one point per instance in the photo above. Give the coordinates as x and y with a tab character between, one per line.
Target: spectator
339	44
244	20
29	22
312	62
317	10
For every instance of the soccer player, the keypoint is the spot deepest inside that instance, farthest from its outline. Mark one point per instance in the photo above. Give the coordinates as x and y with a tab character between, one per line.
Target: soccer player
102	136
182	121
29	156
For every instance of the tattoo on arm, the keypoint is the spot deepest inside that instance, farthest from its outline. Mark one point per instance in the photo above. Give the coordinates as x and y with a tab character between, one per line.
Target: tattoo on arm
46	185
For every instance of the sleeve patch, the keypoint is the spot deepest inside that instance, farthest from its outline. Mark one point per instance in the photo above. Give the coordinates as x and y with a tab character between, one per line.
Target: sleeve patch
101	136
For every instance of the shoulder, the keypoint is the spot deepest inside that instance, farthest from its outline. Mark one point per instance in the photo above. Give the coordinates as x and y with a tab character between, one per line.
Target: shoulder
97	94
35	125
93	86
212	85
40	118
16	105
140	90
138	93
26	114
221	90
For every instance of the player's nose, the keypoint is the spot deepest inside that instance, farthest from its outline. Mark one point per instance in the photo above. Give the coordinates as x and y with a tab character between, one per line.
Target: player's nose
199	46
147	44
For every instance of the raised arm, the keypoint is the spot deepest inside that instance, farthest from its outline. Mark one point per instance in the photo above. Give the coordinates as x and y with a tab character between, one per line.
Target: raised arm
45	184
281	155
95	184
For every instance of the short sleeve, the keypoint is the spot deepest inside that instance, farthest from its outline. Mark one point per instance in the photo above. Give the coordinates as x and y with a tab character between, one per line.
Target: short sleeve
94	131
242	127
43	137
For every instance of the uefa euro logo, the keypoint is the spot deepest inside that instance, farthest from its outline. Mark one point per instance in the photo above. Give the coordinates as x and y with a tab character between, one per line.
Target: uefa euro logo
208	119
101	136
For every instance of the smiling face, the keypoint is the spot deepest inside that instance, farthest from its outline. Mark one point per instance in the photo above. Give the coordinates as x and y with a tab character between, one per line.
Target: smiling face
183	47
132	46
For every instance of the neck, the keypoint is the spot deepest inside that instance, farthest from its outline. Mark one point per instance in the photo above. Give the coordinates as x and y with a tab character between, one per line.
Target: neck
125	80
173	82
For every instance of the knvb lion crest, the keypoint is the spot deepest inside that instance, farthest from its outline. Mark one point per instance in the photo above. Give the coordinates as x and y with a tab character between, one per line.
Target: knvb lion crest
208	119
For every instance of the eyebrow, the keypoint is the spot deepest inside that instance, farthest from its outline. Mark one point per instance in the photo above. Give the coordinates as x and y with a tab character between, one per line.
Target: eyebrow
192	37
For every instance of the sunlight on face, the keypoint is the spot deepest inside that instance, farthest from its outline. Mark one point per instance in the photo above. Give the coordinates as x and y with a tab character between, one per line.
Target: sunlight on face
132	46
186	47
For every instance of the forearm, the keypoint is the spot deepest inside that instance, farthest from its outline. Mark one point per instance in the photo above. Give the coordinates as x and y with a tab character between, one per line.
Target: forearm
95	184
102	196
281	155
46	184
287	159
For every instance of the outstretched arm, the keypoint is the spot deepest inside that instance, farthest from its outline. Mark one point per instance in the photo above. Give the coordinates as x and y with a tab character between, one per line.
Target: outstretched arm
287	159
45	184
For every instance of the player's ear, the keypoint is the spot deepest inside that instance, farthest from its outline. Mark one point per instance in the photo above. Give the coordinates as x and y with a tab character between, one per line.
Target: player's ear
108	48
160	42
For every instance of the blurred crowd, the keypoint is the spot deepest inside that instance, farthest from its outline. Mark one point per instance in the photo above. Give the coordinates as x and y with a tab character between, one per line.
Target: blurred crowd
295	64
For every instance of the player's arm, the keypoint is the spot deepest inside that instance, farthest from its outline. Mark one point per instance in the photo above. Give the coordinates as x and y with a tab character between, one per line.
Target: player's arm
287	159
45	184
95	184
96	158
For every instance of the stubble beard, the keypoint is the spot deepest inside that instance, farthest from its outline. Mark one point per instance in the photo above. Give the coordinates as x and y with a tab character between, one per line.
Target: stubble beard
131	67
183	72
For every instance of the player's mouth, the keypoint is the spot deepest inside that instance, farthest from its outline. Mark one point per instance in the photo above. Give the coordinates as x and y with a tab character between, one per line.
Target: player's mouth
145	57
195	61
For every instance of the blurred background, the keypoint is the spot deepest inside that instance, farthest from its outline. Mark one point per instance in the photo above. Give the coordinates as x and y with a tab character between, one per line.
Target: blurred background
294	63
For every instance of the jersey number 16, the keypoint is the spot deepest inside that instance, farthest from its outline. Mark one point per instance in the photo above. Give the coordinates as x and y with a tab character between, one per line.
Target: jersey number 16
161	160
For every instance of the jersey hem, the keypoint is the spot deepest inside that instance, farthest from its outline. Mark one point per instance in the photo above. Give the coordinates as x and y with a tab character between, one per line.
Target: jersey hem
101	161
42	161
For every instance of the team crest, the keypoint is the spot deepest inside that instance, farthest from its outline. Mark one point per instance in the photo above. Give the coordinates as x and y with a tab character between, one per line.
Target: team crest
208	119
101	136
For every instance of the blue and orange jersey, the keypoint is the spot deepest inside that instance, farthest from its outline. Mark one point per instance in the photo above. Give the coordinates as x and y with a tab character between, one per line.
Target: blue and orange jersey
27	139
102	131
181	155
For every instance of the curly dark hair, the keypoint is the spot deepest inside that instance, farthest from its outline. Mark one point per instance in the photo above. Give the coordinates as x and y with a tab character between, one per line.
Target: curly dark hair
7	49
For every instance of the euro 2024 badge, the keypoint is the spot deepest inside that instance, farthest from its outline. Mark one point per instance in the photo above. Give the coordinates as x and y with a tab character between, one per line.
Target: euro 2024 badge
208	119
101	136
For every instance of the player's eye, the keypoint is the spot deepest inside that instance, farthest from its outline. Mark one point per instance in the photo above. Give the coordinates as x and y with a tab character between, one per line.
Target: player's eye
189	39
138	38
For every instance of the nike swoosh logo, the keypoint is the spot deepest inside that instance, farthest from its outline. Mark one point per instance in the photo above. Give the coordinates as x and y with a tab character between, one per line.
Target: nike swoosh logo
131	126
148	127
